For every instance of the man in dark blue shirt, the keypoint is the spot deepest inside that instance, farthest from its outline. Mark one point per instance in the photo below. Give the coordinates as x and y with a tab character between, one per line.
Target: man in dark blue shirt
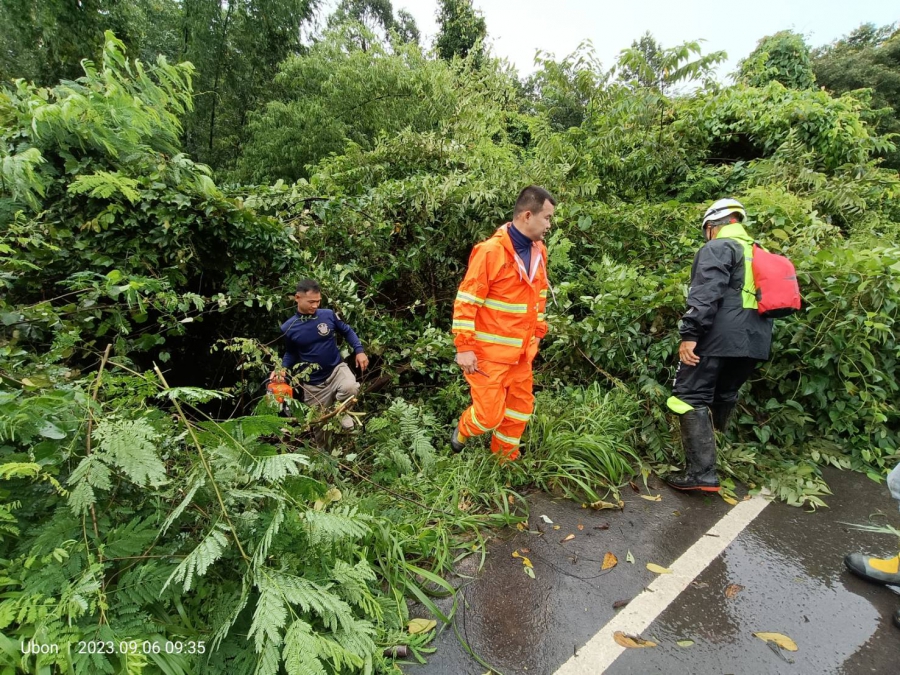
310	340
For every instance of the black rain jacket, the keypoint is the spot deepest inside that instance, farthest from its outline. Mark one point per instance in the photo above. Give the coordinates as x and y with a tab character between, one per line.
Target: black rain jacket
716	318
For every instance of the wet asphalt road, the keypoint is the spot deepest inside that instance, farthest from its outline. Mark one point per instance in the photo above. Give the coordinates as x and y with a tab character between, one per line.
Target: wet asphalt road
789	563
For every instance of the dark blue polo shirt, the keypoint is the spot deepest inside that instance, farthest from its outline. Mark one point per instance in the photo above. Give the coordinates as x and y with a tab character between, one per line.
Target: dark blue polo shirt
310	338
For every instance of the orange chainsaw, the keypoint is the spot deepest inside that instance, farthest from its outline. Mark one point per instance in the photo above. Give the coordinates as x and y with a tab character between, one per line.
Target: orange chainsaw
278	388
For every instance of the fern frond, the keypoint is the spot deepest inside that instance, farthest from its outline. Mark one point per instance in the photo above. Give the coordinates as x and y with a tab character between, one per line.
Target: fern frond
353	586
105	184
269	660
313	597
131	538
301	651
192	394
196	481
200	559
275	468
271	612
262	549
335	526
131	446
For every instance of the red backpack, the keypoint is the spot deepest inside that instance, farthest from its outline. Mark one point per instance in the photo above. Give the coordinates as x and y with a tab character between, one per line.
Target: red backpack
777	290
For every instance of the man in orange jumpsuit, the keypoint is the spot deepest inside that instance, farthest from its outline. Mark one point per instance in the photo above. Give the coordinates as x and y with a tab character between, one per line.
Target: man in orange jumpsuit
498	320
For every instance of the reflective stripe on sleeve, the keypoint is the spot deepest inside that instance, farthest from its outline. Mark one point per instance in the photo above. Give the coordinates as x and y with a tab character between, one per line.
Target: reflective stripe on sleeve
468	297
498	339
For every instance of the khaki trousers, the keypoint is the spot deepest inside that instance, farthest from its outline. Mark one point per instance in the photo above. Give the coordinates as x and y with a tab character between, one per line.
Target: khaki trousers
339	386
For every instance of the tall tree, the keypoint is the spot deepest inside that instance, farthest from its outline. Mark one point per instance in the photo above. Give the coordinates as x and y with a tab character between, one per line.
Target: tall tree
461	30
652	66
783	57
378	18
867	58
236	46
44	40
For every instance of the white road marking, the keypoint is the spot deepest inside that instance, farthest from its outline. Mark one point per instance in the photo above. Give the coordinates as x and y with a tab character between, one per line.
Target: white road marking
601	650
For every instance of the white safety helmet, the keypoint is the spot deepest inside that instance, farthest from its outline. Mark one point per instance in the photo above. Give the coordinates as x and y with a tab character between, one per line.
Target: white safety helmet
723	208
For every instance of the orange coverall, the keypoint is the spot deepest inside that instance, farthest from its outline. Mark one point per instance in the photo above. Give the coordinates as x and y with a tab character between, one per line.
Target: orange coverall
499	314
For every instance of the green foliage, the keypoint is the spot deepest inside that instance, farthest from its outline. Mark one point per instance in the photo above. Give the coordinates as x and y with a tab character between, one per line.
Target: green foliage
782	57
462	30
45	41
582	442
343	91
127	512
866	58
376	17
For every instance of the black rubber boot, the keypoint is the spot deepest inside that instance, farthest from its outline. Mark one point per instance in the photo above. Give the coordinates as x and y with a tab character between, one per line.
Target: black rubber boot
721	414
897	618
699	444
456	443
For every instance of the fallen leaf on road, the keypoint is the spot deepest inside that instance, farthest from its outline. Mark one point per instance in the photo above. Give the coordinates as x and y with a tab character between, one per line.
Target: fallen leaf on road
420	626
652	498
782	641
619	604
658	569
629	558
600	505
733	590
546	519
581	527
609	561
510	499
529	571
556	527
729	500
634	487
685	643
525	561
525	550
520	527
569	537
631	641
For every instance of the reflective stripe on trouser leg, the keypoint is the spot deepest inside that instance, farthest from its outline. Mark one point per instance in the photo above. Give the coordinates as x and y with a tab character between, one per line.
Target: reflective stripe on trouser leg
488	400
519	406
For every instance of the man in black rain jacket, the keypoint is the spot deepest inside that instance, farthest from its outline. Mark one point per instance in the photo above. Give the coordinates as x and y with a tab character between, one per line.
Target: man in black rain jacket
723	337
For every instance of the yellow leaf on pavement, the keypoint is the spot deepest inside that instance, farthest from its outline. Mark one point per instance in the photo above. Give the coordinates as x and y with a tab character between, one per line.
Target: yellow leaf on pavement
729	500
525	561
420	626
631	641
652	498
658	569
782	641
609	561
567	538
556	527
600	505
733	590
